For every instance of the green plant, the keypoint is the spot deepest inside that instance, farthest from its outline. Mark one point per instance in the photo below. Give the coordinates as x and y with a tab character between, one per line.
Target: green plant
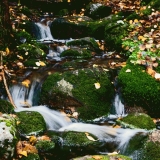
31	156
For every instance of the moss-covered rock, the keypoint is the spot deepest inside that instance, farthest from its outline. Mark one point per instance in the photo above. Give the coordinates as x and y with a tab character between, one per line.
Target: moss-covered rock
45	145
140	88
150	150
31	123
87	42
115	31
79	90
6	107
63	29
78	143
8	136
103	157
31	156
72	53
137	120
99	12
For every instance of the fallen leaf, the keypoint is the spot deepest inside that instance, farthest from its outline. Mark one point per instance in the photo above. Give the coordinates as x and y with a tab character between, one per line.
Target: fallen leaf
97	157
97	85
89	137
24	153
157	76
128	70
113	153
42	63
26	83
150	71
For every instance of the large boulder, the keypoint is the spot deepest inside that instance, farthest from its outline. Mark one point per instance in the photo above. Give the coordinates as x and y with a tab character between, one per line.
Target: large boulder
8	136
140	89
89	91
137	120
31	123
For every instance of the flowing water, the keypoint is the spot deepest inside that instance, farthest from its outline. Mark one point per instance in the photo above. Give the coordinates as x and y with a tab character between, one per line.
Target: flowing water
24	96
59	122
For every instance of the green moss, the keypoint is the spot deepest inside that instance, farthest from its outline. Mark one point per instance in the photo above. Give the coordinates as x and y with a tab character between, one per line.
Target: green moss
138	120
31	156
70	53
77	139
114	33
63	12
100	12
23	34
30	63
45	146
140	88
31	123
6	107
151	151
93	102
104	157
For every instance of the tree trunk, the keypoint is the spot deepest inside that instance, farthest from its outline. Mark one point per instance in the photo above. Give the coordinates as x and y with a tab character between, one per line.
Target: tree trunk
5	24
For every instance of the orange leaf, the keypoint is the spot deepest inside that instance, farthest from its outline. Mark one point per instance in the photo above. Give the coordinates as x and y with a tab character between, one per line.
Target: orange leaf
97	157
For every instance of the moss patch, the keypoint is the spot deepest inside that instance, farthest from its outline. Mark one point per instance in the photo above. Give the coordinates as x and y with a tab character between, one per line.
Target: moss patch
140	88
31	123
6	107
91	102
137	120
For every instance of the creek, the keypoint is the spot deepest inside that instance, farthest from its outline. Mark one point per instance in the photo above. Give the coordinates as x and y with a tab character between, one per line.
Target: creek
28	97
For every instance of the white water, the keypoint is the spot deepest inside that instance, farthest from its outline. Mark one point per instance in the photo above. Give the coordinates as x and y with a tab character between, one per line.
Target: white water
56	121
118	106
46	36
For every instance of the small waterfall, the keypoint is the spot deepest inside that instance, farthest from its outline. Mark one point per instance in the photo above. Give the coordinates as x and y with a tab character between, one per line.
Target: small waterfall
118	106
54	119
58	122
45	33
23	96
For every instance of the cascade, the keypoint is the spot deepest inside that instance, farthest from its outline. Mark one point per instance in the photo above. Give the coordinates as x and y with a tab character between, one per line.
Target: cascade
118	106
45	32
58	122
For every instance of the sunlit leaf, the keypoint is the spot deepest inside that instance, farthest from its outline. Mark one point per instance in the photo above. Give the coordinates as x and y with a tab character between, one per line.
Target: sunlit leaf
97	157
97	85
90	137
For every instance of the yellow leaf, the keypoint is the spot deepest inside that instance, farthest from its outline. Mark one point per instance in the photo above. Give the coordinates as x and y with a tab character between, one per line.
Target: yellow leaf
42	63
20	57
97	157
89	137
32	139
26	83
113	153
24	153
130	22
136	20
128	70
7	51
18	122
97	85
